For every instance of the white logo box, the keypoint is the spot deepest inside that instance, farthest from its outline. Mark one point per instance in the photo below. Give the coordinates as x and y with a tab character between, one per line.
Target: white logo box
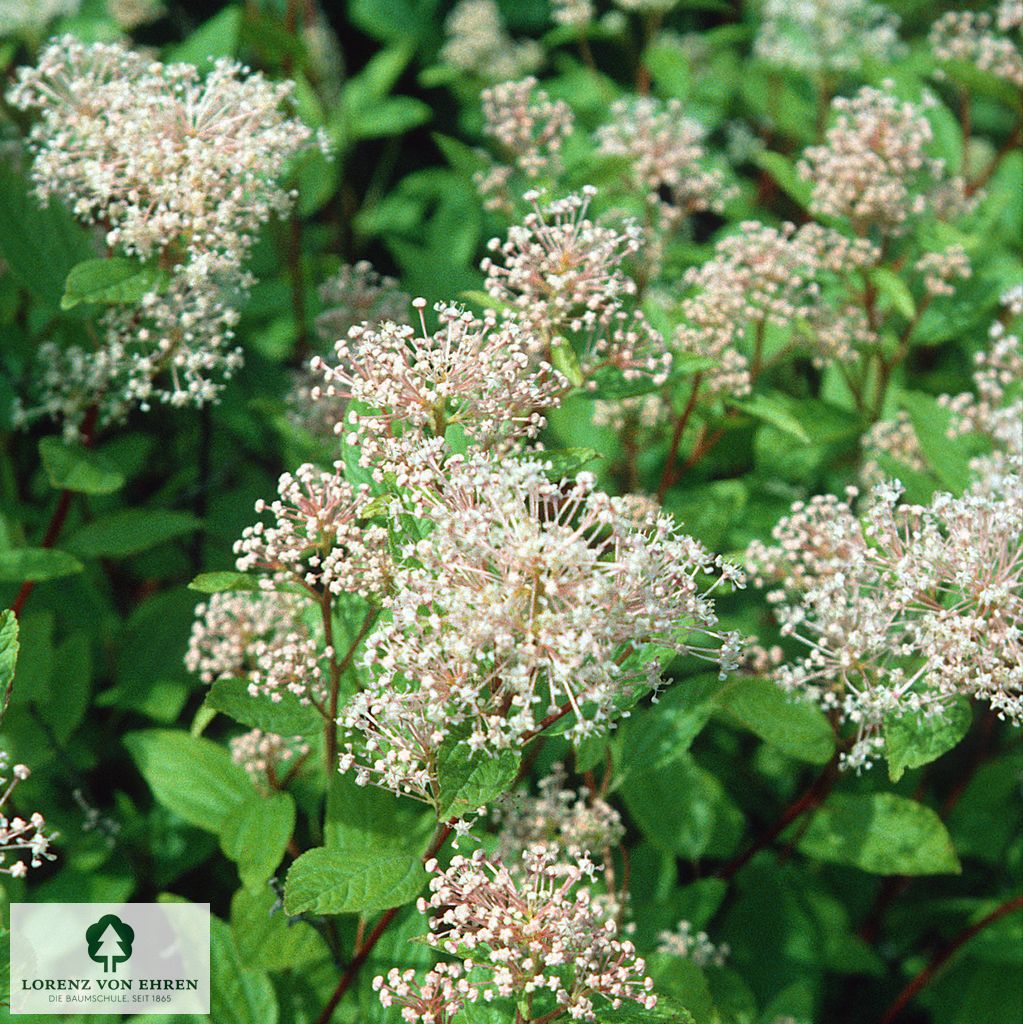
70	958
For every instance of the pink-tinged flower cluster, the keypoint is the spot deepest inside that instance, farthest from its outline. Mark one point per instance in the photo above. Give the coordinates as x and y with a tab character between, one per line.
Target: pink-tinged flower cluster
18	836
473	373
901	610
355	295
786	278
895	439
559	271
268	758
179	171
530	933
478	43
687	943
873	168
528	127
527	598
940	269
973	38
664	152
319	537
261	637
558	818
826	35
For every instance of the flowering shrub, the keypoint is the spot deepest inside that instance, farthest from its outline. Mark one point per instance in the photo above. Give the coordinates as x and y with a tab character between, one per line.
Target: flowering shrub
518	506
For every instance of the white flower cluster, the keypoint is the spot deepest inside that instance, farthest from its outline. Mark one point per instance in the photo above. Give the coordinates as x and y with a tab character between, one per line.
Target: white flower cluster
664	152
356	294
17	835
773	276
687	943
873	168
529	129
572	12
559	818
130	14
473	373
903	610
527	599
319	538
478	43
18	16
179	171
260	637
559	271
267	757
534	932
826	35
895	438
972	37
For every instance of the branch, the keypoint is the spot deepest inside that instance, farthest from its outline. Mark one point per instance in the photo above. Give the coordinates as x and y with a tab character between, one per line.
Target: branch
924	977
812	798
365	948
668	475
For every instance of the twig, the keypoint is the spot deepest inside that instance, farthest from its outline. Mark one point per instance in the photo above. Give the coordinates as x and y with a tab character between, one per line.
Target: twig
363	951
925	976
668	475
812	798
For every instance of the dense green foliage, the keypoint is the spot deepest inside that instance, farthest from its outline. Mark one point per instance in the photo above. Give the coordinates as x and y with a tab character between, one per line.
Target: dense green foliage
832	888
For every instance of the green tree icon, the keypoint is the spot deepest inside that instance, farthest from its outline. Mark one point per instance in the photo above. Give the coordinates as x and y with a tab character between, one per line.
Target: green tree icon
109	941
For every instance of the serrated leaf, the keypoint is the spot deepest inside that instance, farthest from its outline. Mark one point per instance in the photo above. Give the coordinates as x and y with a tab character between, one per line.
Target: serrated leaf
882	833
944	454
911	741
193	777
112	281
223	582
346	880
798	730
256	836
469	779
286	717
130	531
20	565
74	467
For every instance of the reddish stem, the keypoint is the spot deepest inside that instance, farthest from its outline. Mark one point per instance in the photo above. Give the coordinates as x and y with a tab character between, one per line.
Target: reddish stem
668	475
925	976
365	948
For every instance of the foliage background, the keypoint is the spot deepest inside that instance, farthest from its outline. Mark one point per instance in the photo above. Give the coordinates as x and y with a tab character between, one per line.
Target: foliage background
110	721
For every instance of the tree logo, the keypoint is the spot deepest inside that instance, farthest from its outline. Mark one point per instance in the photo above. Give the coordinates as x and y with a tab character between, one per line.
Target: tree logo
109	941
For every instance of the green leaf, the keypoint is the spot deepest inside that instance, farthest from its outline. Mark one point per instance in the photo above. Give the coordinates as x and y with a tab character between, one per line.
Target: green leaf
484	300
21	565
8	656
392	116
238	994
881	833
683	809
221	582
468	779
785	174
911	741
266	938
74	467
113	281
564	359
287	717
667	1011
773	411
256	836
340	880
193	777
130	531
40	245
945	455
894	291
217	37
798	730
